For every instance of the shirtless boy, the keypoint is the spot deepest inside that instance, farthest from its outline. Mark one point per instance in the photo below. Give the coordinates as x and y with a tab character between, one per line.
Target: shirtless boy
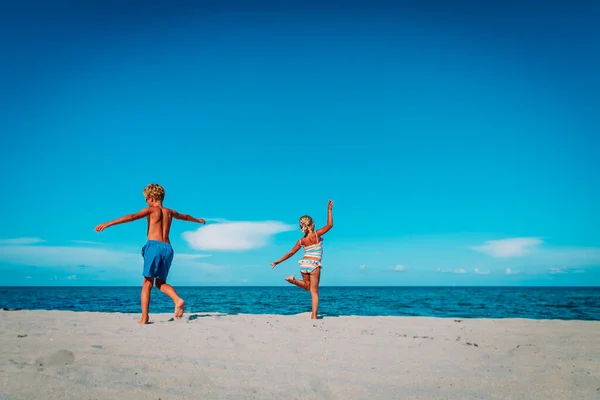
157	253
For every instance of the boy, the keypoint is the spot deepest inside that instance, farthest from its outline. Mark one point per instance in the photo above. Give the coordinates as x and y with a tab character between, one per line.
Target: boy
157	253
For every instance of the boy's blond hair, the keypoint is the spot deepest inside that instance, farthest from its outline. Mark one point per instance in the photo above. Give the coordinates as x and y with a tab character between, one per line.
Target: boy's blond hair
155	191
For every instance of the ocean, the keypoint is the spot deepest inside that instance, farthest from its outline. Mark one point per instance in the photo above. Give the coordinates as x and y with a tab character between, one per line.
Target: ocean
567	303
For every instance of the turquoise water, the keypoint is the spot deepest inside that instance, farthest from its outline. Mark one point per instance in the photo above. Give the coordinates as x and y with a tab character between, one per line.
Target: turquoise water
459	302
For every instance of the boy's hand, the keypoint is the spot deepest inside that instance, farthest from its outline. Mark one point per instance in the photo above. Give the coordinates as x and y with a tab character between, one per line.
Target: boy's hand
201	221
330	205
273	264
101	227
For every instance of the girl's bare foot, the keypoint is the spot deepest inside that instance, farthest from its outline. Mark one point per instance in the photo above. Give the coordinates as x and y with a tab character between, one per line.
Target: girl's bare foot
144	321
290	279
179	308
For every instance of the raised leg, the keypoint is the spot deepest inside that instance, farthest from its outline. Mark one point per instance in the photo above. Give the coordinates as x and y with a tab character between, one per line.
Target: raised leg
170	291
303	284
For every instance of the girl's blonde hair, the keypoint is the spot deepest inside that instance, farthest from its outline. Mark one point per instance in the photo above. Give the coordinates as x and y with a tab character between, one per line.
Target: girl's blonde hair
305	224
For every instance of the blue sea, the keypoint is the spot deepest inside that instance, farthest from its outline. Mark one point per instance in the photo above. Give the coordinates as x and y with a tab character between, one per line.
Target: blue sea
568	303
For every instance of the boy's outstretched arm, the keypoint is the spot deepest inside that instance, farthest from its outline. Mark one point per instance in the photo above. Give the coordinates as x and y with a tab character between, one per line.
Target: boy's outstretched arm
127	218
290	253
329	225
186	217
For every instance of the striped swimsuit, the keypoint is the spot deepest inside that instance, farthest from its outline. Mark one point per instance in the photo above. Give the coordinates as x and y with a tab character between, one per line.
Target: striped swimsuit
312	256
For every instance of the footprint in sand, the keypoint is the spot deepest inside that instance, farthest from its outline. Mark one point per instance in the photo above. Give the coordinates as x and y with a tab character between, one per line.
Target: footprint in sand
61	357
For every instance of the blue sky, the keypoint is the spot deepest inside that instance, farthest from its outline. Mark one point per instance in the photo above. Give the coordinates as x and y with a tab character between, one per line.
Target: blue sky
459	142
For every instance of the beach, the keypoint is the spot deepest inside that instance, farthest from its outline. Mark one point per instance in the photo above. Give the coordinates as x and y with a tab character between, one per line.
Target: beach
93	355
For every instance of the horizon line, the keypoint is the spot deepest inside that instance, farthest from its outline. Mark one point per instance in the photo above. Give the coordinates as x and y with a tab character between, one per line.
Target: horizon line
321	286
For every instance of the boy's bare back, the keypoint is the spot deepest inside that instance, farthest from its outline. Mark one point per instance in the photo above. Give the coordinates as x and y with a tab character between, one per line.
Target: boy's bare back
159	222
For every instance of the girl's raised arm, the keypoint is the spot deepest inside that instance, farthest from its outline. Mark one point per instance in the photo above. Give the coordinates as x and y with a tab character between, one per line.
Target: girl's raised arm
329	225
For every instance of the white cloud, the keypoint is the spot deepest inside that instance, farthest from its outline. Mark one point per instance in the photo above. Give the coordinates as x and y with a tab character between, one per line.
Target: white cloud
452	271
480	272
401	268
509	271
235	236
505	248
28	277
71	278
21	241
363	266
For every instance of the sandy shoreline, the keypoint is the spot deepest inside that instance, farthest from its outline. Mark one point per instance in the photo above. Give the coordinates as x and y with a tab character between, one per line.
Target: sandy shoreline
80	355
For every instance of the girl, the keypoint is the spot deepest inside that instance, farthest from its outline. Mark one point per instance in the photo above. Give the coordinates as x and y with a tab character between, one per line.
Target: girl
310	264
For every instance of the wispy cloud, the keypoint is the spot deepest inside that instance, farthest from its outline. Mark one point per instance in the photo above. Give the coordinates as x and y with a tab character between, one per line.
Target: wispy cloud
184	256
452	271
509	271
87	257
505	248
570	257
71	278
42	256
400	268
85	242
363	266
21	241
555	271
235	236
480	272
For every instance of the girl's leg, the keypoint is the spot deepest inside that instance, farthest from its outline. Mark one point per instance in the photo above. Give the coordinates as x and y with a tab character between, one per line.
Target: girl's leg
315	278
303	284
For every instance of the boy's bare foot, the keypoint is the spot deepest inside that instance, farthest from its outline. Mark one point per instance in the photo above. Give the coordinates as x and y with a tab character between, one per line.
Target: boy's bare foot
179	308
290	279
144	321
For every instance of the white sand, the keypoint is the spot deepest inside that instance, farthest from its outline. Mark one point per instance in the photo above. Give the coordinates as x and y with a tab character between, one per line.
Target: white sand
68	355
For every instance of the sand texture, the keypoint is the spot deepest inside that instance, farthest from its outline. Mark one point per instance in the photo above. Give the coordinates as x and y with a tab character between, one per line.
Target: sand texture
76	355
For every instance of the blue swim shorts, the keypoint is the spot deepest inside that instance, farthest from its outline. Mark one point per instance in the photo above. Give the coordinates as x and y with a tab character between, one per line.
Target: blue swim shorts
158	257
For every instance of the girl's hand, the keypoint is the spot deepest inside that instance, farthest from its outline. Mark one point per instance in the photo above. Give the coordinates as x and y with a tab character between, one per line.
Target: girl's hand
330	205
273	264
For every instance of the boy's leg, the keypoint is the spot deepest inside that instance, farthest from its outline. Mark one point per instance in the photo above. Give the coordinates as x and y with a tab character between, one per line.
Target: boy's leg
146	288
170	291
